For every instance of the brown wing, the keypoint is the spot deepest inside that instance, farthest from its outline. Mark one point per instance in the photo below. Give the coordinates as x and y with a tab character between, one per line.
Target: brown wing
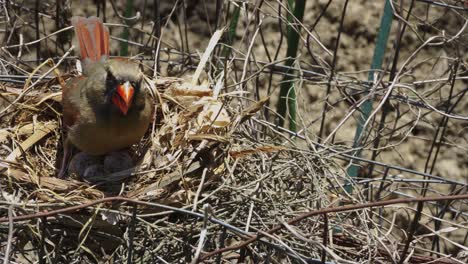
93	37
70	99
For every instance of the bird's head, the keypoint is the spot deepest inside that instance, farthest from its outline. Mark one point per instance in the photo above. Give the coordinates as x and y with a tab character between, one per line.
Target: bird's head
123	83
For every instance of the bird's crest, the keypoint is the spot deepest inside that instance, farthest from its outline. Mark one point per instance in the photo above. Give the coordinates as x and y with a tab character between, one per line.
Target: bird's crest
93	38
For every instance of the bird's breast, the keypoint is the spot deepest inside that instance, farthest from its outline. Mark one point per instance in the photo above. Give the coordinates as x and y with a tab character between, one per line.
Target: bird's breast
100	136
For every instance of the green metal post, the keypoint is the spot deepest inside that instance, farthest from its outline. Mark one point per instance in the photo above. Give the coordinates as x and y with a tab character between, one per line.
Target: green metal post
366	108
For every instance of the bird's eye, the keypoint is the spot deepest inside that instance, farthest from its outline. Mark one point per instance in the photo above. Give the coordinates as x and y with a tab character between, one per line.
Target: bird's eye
110	80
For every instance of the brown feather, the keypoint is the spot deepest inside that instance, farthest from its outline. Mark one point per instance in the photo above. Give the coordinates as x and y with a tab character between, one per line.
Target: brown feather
93	37
71	113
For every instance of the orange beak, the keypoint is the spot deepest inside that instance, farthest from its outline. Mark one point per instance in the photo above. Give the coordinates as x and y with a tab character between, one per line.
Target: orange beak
123	97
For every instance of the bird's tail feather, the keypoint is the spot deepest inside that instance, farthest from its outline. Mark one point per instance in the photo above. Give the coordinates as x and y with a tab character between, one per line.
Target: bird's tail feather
93	38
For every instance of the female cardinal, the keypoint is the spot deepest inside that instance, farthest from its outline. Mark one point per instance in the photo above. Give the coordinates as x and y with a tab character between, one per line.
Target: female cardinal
105	109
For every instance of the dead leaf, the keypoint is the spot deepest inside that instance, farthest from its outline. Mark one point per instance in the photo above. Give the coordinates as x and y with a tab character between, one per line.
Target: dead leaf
253	109
188	89
206	55
57	97
211	137
213	115
246	152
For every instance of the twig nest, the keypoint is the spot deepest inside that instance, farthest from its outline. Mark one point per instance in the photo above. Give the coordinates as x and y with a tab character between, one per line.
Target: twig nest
80	162
118	161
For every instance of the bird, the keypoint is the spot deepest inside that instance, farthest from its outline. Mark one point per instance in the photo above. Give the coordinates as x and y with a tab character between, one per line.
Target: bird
106	108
